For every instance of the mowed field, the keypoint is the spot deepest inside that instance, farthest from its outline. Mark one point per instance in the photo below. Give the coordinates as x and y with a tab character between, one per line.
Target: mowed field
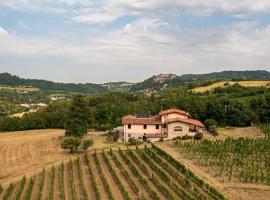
222	83
27	152
123	174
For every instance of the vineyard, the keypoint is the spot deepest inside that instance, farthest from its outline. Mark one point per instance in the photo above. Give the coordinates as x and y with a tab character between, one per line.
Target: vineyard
243	159
148	173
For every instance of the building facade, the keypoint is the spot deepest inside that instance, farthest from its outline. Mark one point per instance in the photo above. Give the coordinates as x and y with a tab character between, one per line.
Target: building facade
168	124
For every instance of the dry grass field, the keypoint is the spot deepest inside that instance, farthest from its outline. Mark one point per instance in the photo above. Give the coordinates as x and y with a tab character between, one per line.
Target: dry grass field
222	83
20	89
27	152
249	132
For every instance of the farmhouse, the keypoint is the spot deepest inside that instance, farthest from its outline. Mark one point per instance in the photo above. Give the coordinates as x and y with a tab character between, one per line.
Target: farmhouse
167	124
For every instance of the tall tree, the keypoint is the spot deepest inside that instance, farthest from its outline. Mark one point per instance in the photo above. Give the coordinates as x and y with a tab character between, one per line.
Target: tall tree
76	122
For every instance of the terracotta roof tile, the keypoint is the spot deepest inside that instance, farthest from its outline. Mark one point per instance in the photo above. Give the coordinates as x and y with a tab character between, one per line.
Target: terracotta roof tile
187	121
174	110
130	119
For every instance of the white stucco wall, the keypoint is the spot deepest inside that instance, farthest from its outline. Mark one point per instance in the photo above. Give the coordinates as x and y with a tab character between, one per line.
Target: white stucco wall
172	134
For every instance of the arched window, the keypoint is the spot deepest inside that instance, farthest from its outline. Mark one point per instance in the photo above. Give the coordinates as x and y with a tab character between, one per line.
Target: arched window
178	128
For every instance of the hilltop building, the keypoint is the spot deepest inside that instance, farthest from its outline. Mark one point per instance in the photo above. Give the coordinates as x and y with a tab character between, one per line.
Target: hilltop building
168	124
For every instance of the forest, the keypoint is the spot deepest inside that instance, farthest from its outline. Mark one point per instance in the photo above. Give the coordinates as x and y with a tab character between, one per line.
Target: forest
230	106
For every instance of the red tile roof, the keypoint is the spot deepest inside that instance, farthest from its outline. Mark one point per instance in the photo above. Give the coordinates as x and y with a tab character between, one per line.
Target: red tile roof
173	110
152	120
186	121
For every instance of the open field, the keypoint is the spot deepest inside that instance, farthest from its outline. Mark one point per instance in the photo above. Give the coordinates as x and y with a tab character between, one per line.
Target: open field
20	89
27	152
242	83
238	167
148	173
234	132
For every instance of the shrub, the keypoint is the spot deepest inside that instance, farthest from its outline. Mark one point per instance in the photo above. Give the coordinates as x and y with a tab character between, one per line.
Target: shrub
186	137
87	143
209	123
161	140
71	143
198	136
133	141
112	136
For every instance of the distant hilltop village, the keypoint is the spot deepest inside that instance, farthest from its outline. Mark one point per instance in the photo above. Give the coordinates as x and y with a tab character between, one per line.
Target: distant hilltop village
160	78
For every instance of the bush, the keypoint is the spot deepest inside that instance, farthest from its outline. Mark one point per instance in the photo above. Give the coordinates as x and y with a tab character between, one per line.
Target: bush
161	140
186	137
87	143
210	123
71	143
133	141
112	136
198	136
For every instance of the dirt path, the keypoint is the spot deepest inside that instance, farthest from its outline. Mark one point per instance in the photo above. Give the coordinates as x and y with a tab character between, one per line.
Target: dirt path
24	189
233	191
47	184
135	179
57	183
115	189
77	182
122	178
87	179
36	186
102	190
67	185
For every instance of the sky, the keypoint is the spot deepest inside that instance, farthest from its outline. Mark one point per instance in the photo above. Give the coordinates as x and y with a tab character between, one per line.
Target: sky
100	41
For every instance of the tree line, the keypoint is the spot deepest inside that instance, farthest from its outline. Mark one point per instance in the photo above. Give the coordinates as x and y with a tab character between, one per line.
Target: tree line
230	106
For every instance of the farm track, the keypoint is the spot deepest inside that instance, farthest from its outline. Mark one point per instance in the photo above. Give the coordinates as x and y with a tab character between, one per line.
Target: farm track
77	183
87	180
67	184
102	190
119	175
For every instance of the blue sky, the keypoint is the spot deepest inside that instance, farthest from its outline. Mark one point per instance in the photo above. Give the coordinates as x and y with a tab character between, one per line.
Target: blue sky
130	40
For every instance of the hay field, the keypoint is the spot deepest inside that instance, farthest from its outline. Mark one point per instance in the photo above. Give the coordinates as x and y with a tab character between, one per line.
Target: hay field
222	83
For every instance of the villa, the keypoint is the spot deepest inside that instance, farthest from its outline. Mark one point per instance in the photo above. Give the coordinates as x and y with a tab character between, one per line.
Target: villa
168	124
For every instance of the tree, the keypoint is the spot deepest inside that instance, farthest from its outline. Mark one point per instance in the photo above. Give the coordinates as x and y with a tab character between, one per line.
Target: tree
209	123
71	143
87	143
77	117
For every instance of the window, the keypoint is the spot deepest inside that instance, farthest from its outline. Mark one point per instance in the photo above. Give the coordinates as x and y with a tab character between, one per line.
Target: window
129	135
164	126
129	126
144	126
178	128
157	126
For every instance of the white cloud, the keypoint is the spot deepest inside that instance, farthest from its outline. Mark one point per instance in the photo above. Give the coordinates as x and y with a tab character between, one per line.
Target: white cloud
3	32
95	18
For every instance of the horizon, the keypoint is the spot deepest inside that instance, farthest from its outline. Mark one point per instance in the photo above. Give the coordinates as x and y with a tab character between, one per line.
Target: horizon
111	40
35	78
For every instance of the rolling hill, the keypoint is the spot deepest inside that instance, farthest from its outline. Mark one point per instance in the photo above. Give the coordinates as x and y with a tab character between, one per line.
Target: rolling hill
155	83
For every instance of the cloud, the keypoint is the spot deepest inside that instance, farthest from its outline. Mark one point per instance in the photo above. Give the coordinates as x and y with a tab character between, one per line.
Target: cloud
3	32
95	18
